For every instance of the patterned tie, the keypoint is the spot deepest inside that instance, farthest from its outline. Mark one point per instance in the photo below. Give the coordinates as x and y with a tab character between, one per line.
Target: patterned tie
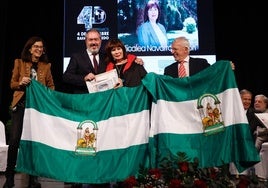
182	70
95	63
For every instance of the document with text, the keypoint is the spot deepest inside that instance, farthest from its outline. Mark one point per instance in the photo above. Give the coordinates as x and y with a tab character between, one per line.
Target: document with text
103	81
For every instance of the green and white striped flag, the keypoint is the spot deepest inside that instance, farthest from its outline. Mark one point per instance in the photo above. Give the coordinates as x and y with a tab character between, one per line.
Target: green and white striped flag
201	115
54	143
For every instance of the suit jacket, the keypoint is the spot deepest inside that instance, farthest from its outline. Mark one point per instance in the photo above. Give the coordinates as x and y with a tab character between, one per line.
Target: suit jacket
22	69
195	65
252	121
79	66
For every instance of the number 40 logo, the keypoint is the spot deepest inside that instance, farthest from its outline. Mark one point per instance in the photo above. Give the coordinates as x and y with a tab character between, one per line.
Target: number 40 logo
91	15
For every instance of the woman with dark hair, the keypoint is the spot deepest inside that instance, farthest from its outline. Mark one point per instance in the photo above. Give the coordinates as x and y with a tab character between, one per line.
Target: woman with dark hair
33	64
130	73
151	33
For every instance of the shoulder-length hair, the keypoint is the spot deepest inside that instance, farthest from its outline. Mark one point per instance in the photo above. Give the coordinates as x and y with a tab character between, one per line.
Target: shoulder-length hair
113	43
149	5
27	56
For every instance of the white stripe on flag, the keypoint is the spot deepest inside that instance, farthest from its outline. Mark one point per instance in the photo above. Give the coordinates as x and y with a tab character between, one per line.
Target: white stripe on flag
114	133
177	121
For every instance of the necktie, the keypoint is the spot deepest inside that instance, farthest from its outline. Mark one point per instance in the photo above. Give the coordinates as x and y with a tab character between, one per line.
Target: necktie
182	70
95	63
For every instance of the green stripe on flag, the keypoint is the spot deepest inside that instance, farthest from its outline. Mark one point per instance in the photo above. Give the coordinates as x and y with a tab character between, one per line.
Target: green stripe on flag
212	150
95	106
107	166
210	80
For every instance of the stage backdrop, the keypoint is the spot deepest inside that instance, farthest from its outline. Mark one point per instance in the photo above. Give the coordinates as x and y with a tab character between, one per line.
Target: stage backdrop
121	19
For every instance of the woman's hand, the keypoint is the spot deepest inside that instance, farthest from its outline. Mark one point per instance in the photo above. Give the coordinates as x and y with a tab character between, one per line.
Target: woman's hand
139	61
232	65
119	84
25	81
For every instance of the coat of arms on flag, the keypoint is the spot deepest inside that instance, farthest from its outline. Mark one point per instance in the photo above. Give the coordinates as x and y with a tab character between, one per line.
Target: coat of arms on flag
210	113
86	138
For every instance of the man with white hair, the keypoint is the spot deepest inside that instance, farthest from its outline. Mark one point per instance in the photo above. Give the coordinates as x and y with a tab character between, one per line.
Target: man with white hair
261	106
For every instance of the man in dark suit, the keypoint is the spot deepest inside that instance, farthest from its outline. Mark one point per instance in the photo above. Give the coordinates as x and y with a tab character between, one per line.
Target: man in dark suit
81	66
246	97
180	50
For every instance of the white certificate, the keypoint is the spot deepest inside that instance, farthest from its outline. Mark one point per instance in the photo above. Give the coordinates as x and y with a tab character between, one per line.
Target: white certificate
103	81
263	117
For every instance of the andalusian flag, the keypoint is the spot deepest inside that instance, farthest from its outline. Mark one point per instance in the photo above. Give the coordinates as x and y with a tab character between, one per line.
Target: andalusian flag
87	138
202	116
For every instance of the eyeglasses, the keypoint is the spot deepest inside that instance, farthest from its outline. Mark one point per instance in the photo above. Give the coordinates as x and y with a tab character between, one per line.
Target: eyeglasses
36	46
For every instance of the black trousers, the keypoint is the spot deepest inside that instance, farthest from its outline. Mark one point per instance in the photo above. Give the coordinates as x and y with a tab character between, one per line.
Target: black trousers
15	132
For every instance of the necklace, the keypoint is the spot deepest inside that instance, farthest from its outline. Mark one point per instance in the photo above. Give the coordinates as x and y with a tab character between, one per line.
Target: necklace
119	66
119	69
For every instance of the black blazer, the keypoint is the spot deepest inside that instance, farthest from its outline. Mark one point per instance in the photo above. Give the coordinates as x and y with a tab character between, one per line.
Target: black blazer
79	66
195	66
252	121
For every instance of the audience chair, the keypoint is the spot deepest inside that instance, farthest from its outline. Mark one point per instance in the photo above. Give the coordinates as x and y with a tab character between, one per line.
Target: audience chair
3	148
